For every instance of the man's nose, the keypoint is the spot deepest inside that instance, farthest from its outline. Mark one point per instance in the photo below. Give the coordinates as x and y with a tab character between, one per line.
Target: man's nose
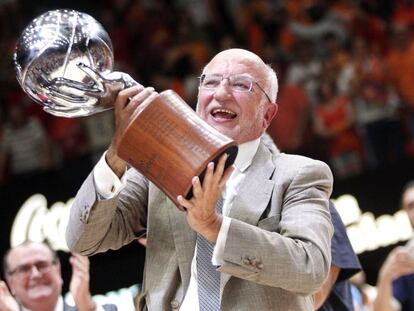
223	90
34	271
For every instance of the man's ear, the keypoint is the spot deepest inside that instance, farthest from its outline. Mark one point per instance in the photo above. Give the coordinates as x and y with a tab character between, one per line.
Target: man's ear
271	111
59	267
9	284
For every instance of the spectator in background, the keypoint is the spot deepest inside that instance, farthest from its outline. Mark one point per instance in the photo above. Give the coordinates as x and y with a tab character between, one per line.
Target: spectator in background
335	294
363	293
25	145
289	129
403	13
33	275
400	65
99	128
67	139
364	78
334	122
305	70
317	22
396	277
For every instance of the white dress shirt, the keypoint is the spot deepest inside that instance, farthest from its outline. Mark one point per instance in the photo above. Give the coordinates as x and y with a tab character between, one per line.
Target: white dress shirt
59	305
108	185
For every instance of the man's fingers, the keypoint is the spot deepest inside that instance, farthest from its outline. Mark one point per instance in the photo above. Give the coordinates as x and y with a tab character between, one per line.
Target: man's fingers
208	176
149	96
226	176
184	204
79	263
130	92
197	190
124	96
218	172
138	99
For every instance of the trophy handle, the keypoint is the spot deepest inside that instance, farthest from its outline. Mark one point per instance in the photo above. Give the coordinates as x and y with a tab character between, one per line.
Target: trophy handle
71	98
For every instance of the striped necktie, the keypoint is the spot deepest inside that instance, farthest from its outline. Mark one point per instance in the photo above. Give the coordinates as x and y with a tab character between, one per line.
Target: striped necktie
207	275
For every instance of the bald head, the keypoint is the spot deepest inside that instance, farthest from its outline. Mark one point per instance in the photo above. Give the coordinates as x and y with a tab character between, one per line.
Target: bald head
237	95
245	57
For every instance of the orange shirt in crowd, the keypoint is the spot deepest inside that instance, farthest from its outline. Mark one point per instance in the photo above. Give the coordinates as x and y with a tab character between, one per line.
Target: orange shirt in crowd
287	128
401	69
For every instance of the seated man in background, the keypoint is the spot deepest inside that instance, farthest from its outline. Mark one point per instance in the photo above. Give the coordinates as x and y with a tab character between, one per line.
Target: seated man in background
33	274
395	282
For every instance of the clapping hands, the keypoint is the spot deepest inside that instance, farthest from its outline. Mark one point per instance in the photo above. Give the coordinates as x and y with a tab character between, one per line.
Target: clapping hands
7	301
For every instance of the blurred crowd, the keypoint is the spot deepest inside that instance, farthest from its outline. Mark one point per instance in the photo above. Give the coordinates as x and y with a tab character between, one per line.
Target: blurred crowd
345	71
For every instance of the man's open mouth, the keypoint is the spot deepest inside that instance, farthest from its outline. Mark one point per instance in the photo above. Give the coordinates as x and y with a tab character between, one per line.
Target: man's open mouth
223	114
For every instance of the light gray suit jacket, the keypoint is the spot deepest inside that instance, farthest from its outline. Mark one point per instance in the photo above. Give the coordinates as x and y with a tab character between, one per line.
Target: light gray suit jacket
277	252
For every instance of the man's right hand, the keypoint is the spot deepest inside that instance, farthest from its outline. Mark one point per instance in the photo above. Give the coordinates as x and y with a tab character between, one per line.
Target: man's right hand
7	301
127	106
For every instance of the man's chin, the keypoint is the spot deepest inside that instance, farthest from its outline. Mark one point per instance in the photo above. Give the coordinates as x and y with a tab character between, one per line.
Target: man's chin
40	292
225	129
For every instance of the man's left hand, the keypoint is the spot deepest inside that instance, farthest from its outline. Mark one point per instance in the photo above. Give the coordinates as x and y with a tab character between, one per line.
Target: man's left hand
7	301
201	208
79	283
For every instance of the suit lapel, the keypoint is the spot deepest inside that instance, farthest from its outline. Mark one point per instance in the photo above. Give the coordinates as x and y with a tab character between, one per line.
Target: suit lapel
254	193
255	189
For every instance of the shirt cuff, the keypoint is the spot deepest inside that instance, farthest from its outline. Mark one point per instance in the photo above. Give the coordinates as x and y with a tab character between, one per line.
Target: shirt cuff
217	258
99	308
106	181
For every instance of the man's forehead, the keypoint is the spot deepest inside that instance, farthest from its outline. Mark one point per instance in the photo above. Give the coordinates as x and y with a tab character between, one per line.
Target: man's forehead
27	253
236	61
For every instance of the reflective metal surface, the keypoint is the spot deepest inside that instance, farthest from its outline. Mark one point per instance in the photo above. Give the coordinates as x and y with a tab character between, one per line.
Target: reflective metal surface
63	61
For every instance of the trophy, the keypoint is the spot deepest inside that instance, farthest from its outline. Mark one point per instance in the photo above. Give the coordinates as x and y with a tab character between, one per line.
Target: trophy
64	61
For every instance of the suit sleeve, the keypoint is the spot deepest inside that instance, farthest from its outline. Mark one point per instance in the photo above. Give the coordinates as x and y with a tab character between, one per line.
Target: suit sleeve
294	253
96	225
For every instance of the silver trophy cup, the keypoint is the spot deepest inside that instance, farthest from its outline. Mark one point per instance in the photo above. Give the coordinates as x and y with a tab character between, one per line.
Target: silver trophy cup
64	61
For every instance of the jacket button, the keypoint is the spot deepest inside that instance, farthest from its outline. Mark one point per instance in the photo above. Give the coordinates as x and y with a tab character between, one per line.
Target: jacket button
82	217
175	304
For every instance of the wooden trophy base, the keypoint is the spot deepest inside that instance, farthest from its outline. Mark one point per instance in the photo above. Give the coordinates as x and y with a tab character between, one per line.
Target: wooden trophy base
170	144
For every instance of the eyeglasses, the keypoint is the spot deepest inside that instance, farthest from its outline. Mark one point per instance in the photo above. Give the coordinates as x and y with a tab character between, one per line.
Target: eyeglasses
237	83
41	266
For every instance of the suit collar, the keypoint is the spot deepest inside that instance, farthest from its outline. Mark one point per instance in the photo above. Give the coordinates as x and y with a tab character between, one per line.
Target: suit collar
245	155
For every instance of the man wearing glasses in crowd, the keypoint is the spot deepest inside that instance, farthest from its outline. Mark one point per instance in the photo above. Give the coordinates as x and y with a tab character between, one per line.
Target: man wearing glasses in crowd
265	247
33	275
